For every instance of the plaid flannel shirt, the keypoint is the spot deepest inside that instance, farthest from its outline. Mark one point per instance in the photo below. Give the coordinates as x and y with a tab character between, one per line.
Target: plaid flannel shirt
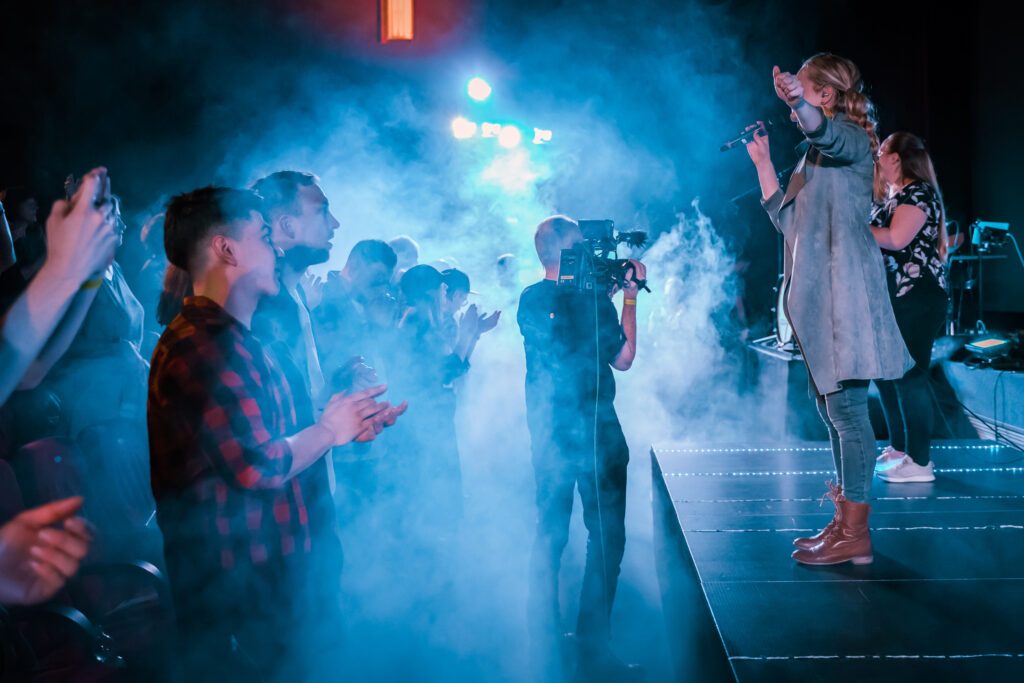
219	411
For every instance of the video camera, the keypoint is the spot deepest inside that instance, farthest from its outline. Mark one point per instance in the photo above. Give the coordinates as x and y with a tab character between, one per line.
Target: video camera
594	263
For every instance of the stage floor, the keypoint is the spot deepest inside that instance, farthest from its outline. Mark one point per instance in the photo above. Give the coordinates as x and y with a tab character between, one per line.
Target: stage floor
942	601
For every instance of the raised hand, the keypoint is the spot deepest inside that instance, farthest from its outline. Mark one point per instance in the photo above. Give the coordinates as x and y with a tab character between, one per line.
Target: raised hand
469	324
488	322
637	271
787	86
81	233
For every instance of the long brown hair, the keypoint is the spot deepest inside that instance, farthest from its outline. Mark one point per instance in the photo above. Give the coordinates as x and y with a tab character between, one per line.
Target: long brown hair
843	75
177	286
915	165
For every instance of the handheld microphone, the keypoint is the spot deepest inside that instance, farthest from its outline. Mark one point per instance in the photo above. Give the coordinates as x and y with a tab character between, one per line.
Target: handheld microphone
746	136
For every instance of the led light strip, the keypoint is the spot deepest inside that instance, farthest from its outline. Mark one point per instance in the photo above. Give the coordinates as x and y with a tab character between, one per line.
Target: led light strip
813	449
881	657
829	473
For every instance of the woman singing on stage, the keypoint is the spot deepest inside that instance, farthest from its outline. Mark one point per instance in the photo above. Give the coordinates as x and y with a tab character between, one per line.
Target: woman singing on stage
835	297
909	225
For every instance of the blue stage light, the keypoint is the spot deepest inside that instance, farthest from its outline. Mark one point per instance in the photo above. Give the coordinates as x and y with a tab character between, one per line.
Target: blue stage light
478	89
509	137
462	128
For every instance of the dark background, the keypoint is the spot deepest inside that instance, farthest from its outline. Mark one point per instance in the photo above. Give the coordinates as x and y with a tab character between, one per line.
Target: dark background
154	90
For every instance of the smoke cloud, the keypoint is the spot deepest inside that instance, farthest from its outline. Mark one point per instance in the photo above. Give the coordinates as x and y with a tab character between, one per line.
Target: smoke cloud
637	97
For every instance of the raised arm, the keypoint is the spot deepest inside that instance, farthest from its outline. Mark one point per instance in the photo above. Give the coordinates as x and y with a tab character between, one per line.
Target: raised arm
81	242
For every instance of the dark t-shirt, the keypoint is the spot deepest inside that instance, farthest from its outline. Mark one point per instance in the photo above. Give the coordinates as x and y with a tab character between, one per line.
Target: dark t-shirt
277	325
346	330
571	339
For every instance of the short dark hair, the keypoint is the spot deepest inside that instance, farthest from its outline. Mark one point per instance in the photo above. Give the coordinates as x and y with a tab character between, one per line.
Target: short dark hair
16	195
419	282
280	191
192	217
369	252
456	280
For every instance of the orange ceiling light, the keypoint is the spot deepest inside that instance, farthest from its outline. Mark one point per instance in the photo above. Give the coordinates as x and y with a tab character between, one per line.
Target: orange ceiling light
396	20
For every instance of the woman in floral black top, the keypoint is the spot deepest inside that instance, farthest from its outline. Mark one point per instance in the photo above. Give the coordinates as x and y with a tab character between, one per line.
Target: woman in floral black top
909	225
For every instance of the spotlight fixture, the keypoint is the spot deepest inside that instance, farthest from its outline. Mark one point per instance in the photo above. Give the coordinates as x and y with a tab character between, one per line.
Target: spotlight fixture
396	20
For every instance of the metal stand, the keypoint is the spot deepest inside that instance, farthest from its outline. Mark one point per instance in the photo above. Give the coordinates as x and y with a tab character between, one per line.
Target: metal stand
971	283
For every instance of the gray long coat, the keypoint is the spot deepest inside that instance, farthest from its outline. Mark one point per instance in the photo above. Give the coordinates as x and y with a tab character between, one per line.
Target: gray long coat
836	299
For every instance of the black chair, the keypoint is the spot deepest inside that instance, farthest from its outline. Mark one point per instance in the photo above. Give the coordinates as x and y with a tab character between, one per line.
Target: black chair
131	603
54	642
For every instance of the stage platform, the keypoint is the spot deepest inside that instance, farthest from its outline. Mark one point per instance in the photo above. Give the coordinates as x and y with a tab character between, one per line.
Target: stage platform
943	599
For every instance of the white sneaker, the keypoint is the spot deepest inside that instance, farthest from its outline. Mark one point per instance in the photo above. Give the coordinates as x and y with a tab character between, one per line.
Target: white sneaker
890	457
908	471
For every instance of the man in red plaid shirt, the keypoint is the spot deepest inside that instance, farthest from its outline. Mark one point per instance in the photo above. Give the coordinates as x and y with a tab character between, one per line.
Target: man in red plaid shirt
225	449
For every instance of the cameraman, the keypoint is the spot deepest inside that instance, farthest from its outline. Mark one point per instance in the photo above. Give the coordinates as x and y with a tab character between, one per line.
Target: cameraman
572	340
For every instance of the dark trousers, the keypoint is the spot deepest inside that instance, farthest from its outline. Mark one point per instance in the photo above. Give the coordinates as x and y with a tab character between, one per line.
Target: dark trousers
277	622
232	626
316	603
907	402
559	472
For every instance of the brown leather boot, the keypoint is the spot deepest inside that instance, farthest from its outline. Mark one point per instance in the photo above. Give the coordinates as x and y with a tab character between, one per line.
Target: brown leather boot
833	494
849	540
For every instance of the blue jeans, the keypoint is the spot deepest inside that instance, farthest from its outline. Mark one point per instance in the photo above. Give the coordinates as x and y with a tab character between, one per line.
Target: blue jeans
845	413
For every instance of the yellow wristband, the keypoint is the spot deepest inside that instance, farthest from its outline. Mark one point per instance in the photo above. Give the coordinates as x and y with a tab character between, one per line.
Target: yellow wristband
629	302
95	283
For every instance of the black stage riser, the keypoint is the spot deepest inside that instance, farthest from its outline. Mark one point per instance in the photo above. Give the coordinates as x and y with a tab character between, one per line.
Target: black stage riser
941	601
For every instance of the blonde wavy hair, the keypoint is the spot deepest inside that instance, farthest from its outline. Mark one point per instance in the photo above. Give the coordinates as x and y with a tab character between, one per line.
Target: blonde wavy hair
826	69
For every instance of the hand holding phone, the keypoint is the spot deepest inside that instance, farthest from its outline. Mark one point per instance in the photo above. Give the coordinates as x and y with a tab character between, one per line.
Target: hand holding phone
81	231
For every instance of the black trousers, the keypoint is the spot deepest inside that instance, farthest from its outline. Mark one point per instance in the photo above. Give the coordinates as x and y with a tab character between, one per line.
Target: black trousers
269	624
907	402
232	626
600	476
